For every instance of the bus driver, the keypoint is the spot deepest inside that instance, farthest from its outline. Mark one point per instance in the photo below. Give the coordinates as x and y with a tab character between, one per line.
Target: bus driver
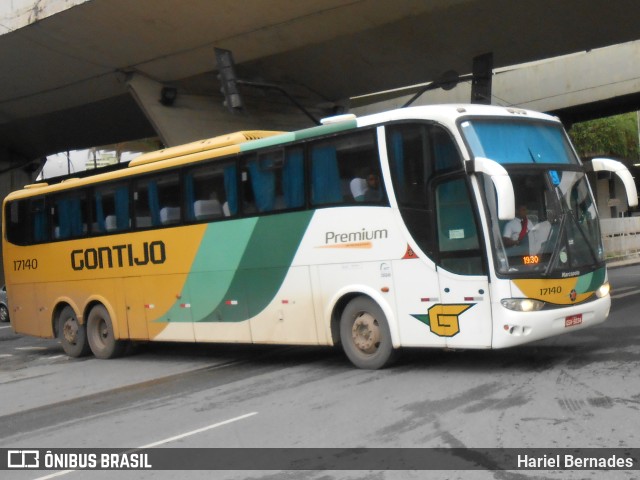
516	230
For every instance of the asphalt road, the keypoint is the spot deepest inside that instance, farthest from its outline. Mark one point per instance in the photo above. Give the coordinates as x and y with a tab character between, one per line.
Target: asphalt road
576	390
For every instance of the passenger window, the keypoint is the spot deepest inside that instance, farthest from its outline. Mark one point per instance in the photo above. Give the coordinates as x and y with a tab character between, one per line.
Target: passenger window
40	232
27	221
409	164
157	201
16	218
111	208
292	178
417	152
70	215
273	180
345	169
207	190
446	155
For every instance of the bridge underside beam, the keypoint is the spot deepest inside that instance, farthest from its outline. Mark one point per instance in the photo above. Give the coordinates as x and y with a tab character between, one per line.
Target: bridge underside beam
193	117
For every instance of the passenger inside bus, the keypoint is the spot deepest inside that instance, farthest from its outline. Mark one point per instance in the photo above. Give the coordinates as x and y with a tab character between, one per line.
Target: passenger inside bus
374	192
366	189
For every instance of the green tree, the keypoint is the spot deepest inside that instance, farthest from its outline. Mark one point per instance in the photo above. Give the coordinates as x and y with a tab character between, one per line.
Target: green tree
615	136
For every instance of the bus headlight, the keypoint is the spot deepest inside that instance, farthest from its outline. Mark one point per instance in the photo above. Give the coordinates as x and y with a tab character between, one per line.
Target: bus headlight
522	304
603	291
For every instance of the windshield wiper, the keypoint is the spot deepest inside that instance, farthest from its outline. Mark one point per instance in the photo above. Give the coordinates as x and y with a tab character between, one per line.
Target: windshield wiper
556	249
585	238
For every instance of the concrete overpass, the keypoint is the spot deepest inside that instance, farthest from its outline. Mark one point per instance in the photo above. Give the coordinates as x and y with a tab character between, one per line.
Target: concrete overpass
576	87
80	73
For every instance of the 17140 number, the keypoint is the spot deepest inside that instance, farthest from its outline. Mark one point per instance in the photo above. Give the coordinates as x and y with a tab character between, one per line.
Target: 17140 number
26	264
551	290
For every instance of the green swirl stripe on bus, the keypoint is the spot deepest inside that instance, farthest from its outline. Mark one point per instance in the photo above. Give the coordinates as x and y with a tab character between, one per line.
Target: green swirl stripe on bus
247	270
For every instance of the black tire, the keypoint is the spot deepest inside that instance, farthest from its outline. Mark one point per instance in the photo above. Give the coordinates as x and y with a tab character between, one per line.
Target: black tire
72	334
4	313
365	335
100	334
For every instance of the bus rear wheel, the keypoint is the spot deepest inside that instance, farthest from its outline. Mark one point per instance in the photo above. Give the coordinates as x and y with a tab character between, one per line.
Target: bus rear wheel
72	334
365	335
100	334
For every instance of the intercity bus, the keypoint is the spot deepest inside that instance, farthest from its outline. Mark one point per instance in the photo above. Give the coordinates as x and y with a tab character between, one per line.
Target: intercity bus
372	233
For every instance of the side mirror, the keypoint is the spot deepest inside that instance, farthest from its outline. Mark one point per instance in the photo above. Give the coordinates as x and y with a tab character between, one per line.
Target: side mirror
501	182
623	173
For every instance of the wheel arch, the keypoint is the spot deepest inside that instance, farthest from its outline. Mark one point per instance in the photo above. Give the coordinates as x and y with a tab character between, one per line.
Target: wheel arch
344	296
57	310
95	301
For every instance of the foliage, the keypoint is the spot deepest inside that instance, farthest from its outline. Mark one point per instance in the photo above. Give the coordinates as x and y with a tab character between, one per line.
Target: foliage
615	136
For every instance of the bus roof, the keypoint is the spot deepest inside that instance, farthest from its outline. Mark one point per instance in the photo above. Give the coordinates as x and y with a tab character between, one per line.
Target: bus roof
245	141
202	146
448	114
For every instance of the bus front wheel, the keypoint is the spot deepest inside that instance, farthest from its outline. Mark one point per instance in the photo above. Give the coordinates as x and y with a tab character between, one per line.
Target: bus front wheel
100	334
72	334
364	334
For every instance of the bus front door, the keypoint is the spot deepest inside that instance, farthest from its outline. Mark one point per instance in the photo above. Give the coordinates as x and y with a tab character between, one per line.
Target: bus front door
464	314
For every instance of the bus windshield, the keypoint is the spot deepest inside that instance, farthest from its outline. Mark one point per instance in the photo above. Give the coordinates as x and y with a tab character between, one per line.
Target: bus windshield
555	232
517	142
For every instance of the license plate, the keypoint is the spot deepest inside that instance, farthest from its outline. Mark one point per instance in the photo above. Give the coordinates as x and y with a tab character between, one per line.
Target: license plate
573	320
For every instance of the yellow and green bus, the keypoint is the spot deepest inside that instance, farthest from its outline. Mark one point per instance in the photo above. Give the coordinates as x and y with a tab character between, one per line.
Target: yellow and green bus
372	233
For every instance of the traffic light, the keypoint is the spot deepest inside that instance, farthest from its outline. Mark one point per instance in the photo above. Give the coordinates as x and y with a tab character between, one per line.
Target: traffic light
228	80
481	82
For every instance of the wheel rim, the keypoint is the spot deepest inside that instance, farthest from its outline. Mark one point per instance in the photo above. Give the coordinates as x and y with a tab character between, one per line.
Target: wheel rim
70	331
102	331
4	314
365	333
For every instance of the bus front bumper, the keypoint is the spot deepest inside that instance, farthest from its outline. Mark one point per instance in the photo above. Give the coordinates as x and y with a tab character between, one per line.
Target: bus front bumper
512	328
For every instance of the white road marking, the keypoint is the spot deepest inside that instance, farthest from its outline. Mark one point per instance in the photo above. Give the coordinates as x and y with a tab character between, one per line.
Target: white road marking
31	348
5	326
166	440
199	430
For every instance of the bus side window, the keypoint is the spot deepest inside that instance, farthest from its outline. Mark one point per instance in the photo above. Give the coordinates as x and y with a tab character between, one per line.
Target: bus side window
259	177
275	180
40	220
169	200
157	200
409	159
69	215
345	169
418	152
144	195
16	221
360	163
111	208
205	192
292	180
326	185
26	221
445	153
247	201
